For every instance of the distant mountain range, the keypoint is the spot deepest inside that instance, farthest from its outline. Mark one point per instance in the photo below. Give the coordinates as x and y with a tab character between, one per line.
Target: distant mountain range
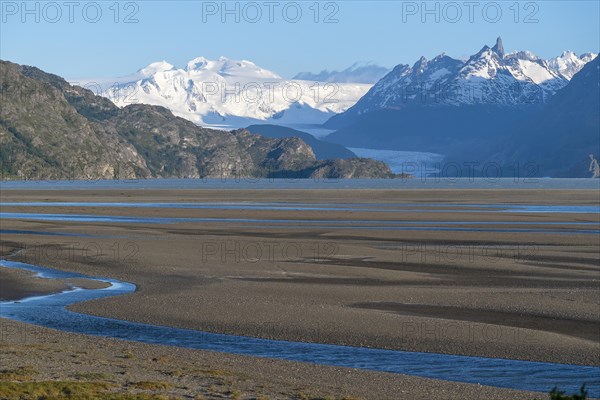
50	129
470	110
356	73
489	77
229	94
494	106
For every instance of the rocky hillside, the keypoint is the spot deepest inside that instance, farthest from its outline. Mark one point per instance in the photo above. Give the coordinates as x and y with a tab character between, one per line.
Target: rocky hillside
323	150
50	129
558	140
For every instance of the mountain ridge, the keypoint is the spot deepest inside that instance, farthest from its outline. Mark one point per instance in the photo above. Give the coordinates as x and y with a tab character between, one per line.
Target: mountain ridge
489	77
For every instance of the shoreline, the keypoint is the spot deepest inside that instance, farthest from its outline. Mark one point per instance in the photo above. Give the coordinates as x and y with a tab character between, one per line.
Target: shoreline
237	183
181	372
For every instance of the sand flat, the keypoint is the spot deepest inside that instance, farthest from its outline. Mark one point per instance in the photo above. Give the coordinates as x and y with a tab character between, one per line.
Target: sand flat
523	295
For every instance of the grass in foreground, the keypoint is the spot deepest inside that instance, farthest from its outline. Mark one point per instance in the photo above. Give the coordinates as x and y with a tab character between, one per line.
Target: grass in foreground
59	390
99	390
20	374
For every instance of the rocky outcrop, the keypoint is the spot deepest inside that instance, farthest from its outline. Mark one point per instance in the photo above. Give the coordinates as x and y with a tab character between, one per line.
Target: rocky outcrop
351	168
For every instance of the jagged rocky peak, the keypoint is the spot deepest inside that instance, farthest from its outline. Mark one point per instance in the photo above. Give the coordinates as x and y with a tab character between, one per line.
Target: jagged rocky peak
420	65
499	47
587	57
440	56
485	51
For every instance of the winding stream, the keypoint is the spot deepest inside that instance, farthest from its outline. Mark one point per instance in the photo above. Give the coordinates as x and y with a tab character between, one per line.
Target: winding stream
50	311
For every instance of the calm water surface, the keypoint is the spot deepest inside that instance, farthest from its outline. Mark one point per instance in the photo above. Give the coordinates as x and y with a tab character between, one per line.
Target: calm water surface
265	183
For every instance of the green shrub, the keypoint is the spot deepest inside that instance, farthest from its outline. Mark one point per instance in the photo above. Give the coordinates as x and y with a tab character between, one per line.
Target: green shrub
556	394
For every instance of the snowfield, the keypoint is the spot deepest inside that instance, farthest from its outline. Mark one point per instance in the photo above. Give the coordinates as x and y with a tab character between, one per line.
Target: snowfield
230	94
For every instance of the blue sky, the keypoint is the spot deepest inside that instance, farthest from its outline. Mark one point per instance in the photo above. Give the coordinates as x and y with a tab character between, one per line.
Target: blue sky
92	39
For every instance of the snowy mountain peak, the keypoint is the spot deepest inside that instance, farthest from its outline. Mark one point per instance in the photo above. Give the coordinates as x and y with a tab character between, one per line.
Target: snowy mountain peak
226	66
197	63
568	63
156	67
587	57
227	93
522	55
484	50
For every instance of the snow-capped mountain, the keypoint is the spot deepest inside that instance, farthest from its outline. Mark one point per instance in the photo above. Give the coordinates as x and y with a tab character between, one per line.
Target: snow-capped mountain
490	77
230	94
357	73
569	63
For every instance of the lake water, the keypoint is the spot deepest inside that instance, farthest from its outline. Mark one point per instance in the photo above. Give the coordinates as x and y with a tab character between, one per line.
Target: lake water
50	311
358	207
418	164
265	183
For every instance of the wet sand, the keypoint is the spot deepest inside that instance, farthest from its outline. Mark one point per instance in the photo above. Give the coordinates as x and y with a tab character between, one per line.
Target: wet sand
18	284
532	296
